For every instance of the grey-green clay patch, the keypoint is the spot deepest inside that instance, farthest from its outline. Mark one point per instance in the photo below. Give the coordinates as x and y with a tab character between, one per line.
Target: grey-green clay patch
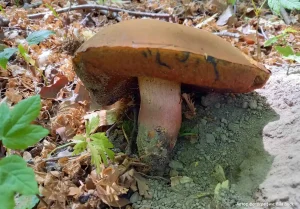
229	134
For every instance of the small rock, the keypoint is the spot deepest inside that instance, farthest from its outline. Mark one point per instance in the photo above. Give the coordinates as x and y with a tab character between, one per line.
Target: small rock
245	105
223	138
173	173
223	120
176	165
135	197
217	105
185	179
233	127
253	104
178	205
203	121
210	138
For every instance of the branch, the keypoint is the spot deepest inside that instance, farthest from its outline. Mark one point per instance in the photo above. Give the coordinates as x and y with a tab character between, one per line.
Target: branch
100	7
285	15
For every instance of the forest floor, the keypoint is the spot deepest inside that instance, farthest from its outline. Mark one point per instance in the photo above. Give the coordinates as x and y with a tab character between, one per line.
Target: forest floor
248	144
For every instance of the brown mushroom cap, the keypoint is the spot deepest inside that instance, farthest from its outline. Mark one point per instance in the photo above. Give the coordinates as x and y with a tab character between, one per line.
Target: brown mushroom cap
109	62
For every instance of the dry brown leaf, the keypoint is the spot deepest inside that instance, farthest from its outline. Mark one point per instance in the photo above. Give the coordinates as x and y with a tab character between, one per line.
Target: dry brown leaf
47	148
224	17
191	113
51	91
13	95
69	116
107	187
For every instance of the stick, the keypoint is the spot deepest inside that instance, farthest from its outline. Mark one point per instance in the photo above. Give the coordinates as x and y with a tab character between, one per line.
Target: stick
42	200
100	7
226	33
285	16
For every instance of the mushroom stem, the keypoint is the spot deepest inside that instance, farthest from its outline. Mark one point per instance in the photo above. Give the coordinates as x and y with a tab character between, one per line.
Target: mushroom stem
159	120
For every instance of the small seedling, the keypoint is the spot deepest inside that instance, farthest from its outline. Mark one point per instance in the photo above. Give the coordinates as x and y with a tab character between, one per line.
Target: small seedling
280	38
32	39
55	14
97	143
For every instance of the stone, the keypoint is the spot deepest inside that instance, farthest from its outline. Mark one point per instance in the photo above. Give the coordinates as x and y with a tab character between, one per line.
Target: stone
203	121
210	138
245	105
173	173
233	127
253	104
135	197
176	165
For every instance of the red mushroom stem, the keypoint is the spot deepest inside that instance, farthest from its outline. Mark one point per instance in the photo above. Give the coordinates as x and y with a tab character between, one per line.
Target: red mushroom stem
159	120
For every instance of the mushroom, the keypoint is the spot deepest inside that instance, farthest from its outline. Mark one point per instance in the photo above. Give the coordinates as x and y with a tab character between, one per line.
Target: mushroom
159	57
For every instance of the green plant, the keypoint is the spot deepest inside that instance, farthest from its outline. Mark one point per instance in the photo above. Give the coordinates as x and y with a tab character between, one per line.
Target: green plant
275	5
97	143
286	52
257	11
55	14
33	38
280	38
231	2
17	132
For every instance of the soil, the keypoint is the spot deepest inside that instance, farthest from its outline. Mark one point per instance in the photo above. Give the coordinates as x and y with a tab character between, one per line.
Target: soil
254	138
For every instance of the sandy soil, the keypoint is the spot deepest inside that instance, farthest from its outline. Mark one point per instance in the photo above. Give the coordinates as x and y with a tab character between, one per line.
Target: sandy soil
281	139
254	138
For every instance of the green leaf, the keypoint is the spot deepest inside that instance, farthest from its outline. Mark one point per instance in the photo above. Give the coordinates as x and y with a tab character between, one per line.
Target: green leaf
95	157
25	55
38	36
16	131
5	55
290	30
103	145
26	201
4	116
24	113
6	198
25	137
231	2
79	138
52	10
293	57
285	51
92	125
15	177
79	147
288	4
271	41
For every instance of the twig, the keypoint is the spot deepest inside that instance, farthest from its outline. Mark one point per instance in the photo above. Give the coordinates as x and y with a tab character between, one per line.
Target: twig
226	33
200	25
100	7
107	133
57	158
285	15
42	200
263	32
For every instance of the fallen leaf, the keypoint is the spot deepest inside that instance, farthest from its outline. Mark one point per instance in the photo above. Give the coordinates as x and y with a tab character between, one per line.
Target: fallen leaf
51	91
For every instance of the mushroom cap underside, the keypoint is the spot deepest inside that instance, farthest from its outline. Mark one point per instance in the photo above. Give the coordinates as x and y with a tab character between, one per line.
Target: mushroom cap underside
109	62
